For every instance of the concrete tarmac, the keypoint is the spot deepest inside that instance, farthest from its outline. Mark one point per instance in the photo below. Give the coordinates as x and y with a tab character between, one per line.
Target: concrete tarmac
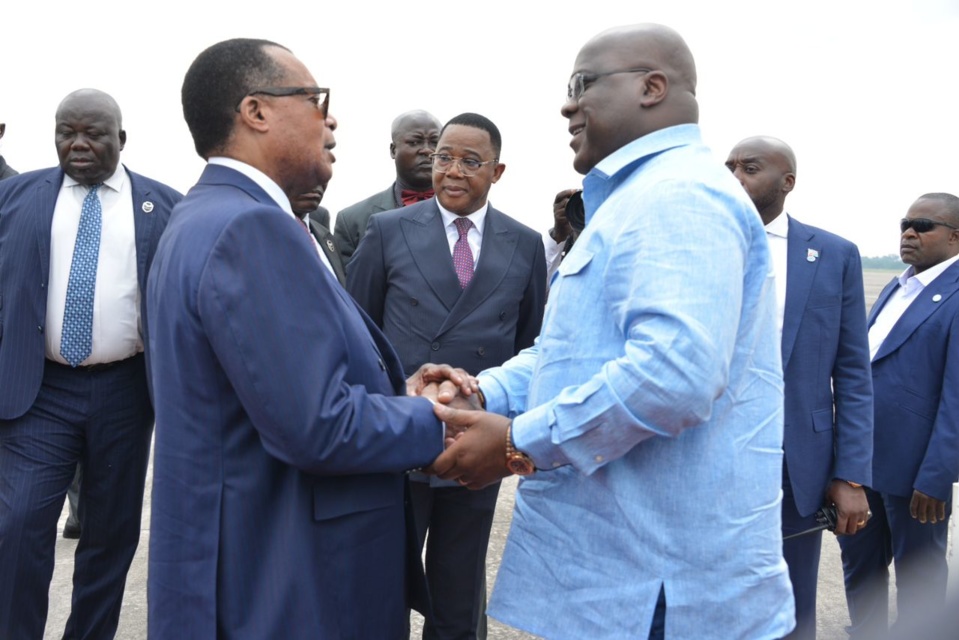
832	615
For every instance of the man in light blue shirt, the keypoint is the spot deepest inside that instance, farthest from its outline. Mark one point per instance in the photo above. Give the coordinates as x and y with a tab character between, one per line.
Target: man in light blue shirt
651	403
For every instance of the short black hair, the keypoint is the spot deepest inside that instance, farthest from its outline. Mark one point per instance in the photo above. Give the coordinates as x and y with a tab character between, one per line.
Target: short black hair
217	82
477	121
949	201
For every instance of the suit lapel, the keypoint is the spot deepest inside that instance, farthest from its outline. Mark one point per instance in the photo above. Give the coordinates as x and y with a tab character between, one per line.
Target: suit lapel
496	255
325	240
143	223
46	194
800	274
881	300
426	238
930	300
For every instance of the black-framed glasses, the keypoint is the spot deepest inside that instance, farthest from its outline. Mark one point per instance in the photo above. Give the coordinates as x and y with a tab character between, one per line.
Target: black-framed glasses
579	82
921	225
443	162
319	96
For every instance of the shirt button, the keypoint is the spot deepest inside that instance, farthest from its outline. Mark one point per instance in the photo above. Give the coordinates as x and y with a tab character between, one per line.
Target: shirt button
556	464
598	458
435	346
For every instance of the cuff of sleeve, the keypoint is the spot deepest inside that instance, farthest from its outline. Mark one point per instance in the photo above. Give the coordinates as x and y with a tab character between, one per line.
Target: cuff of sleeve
532	434
495	394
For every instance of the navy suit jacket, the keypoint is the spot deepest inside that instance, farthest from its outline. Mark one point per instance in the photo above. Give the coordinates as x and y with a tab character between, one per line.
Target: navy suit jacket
351	222
402	275
916	380
27	203
825	352
280	448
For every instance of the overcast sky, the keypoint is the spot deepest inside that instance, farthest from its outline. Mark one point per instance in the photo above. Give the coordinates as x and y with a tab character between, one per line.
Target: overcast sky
865	92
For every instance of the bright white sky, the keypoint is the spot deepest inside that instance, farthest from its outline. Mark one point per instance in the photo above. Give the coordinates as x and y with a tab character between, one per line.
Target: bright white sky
864	91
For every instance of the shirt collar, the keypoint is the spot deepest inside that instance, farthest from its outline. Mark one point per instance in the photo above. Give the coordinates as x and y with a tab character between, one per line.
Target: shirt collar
478	217
261	179
926	276
114	182
779	226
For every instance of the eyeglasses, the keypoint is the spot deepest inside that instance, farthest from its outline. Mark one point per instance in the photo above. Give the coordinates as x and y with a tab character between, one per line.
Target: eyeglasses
921	225
319	96
579	82
443	162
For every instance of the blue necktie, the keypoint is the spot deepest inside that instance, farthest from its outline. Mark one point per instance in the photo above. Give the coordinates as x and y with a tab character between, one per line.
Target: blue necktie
77	339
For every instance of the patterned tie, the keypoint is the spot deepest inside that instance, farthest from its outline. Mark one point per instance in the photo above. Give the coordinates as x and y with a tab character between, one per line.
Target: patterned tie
462	254
77	339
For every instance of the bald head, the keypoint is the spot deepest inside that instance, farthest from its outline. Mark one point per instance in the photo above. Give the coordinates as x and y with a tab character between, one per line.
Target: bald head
89	136
414	135
766	167
628	82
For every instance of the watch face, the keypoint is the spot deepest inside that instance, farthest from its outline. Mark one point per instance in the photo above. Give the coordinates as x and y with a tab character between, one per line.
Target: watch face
520	465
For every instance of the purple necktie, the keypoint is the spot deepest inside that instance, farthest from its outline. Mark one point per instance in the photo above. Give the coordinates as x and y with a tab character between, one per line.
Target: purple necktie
462	255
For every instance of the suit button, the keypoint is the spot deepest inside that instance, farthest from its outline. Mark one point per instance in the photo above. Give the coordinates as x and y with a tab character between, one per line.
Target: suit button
382	364
435	346
40	328
414	302
502	315
481	351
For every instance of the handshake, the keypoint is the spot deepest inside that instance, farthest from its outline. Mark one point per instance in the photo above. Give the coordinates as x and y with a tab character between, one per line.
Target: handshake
476	450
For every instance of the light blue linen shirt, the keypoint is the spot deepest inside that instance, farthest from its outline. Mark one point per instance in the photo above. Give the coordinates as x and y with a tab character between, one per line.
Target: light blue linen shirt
653	402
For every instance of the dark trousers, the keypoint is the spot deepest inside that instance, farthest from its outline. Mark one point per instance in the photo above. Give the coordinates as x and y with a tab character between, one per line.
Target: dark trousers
802	557
919	551
103	420
459	522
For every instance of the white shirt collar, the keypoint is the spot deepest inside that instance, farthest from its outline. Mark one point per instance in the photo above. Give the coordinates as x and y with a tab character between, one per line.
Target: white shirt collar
261	179
926	276
779	226
115	181
478	217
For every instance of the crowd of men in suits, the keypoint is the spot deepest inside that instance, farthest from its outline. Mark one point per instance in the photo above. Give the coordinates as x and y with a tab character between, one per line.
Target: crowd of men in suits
330	405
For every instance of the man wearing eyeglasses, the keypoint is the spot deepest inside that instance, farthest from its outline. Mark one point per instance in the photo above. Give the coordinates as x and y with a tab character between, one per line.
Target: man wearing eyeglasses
914	346
821	313
453	279
76	244
413	138
281	447
646	421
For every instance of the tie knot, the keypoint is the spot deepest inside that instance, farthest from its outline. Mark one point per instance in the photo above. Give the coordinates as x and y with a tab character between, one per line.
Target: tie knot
463	225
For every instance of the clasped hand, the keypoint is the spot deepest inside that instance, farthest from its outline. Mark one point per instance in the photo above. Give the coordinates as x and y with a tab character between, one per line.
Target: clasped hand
475	454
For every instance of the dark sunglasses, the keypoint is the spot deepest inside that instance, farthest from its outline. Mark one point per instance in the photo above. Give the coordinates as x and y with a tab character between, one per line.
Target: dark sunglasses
921	225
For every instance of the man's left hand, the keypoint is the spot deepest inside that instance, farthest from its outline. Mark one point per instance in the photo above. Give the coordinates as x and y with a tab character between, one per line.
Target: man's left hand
852	507
926	508
476	458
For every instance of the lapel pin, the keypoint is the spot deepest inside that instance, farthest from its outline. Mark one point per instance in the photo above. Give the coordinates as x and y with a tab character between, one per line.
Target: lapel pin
329	245
937	297
811	255
147	207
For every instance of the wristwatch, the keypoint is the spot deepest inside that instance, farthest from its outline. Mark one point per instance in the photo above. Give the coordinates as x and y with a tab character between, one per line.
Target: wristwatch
517	461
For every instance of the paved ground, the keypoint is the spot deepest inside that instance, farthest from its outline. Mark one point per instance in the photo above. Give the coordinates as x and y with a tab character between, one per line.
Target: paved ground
832	605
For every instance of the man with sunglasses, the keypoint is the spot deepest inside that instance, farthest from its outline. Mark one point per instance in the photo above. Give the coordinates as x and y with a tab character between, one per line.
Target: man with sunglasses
281	444
821	313
646	421
454	280
413	138
914	346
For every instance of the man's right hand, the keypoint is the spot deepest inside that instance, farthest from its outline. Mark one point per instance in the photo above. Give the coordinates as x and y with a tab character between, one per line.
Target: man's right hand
445	384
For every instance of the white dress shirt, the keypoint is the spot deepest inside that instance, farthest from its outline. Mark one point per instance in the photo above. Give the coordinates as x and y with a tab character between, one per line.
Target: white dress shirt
777	234
911	285
116	301
276	193
474	236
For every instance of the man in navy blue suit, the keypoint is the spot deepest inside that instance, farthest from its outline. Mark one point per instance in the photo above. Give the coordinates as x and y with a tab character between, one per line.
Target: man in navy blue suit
454	280
828	392
914	346
278	491
76	243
